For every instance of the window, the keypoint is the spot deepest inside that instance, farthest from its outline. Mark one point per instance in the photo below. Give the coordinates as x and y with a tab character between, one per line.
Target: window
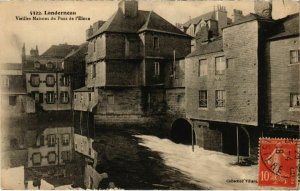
177	70
155	43
65	155
41	98
36	158
50	97
156	69
64	81
65	139
4	81
37	64
202	68
220	65
50	80
295	56
110	99
220	98
35	80
49	65
38	97
51	139
295	100
12	100
202	98
51	157
93	70
64	97
90	96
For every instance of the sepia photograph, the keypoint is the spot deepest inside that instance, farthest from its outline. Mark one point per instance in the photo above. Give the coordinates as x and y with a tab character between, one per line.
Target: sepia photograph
150	95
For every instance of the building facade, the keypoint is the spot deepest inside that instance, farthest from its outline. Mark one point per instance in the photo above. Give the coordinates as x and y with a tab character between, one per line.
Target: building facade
233	90
54	146
130	62
282	58
47	80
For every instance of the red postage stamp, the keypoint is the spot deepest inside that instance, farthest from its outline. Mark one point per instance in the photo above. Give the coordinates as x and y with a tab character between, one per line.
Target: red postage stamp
278	162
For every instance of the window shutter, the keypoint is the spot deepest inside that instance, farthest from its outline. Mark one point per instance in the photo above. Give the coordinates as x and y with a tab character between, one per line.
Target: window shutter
41	98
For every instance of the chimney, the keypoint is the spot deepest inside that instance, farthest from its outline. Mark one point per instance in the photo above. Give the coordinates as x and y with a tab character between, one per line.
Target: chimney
23	50
221	17
37	50
89	32
263	8
237	14
129	8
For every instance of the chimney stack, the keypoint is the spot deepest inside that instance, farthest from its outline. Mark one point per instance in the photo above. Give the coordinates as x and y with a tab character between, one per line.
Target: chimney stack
129	8
263	8
237	14
221	17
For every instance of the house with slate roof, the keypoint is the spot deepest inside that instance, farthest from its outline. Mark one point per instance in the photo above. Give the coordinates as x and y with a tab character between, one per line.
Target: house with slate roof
130	62
245	83
210	23
47	80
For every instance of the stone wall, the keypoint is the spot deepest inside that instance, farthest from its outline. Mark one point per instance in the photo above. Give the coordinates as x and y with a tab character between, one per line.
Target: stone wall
283	79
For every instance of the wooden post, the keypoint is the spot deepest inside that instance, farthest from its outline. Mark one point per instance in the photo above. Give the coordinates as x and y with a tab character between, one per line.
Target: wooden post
237	144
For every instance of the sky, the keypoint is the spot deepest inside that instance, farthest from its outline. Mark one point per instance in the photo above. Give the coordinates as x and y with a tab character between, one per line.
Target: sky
14	32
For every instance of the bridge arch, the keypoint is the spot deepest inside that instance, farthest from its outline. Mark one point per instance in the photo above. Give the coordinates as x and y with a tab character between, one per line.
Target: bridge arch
181	131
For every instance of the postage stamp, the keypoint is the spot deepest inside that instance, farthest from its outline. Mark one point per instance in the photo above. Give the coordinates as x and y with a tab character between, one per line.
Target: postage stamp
278	162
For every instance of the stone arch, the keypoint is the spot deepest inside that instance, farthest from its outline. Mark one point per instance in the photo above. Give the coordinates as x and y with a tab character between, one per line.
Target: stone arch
181	131
244	142
229	140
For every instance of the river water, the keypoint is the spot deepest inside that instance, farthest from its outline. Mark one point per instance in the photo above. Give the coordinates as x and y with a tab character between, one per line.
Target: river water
133	166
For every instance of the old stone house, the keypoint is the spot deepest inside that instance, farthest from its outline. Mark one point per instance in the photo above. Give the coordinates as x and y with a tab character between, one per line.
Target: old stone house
233	89
282	56
131	62
47	80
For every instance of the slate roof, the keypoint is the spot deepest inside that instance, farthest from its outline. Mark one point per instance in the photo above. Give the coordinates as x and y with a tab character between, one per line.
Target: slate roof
207	16
59	51
211	47
286	27
248	18
79	52
145	20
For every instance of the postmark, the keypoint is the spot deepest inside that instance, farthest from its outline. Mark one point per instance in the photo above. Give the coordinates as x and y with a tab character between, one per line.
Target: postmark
278	162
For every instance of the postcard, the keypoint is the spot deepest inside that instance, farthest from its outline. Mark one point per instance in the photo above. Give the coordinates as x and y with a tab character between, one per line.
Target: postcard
150	95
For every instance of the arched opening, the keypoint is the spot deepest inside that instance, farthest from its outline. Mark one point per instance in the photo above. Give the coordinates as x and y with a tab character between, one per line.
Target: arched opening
182	132
230	141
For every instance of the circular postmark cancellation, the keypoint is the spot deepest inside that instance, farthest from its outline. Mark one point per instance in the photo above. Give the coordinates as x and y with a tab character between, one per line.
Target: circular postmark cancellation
278	162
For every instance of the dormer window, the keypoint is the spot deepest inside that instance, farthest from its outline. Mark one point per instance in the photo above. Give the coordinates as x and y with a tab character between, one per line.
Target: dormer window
49	65
37	65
